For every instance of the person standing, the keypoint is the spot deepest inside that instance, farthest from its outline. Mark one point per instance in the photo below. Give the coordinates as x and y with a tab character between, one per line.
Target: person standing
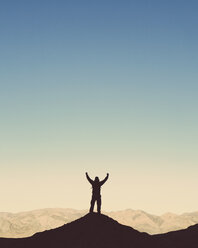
96	188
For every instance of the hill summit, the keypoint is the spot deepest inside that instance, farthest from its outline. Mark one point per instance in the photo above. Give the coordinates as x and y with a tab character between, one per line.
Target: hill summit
100	231
26	224
93	230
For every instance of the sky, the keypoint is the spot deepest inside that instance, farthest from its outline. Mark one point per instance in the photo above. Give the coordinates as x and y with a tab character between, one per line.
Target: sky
101	87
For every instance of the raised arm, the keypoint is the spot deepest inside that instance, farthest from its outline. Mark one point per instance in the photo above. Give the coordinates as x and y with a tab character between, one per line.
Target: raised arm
88	178
104	180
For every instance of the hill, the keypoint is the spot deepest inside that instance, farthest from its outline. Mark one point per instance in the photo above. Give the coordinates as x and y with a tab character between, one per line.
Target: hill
92	230
25	224
187	238
100	231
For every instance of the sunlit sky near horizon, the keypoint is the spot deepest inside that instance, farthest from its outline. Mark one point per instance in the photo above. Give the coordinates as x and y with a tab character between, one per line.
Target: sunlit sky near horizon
99	86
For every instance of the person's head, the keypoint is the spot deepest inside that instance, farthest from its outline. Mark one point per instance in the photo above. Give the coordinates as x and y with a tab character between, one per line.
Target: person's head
96	179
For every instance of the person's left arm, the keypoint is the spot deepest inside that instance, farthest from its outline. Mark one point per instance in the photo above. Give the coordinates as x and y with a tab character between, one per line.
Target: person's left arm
104	180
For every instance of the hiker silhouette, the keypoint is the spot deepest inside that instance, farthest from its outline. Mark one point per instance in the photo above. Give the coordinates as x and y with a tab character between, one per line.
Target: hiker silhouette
96	197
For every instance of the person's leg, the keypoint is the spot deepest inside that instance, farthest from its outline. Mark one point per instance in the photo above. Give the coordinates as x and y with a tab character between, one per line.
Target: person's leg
99	204
92	205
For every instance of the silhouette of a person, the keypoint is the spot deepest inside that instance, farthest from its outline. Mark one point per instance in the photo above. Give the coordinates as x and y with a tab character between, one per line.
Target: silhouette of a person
96	197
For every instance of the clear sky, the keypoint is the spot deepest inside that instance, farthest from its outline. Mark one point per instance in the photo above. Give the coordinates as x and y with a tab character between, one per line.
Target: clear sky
99	86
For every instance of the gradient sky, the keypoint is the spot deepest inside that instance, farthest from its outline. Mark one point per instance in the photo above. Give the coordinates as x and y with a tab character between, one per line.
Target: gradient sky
99	86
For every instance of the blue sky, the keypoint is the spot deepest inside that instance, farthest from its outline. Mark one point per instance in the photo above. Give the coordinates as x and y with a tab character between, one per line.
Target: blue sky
99	86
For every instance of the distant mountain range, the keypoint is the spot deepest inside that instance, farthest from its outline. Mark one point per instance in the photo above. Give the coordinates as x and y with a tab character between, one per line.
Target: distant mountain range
101	231
26	224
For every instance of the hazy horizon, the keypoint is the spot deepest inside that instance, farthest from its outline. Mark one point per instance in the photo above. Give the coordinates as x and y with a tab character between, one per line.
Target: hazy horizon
99	87
104	211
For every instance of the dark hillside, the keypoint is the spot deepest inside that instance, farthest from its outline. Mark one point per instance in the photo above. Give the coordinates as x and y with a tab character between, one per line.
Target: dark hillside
92	230
100	231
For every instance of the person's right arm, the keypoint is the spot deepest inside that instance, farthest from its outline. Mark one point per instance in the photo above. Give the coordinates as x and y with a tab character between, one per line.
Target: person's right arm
88	178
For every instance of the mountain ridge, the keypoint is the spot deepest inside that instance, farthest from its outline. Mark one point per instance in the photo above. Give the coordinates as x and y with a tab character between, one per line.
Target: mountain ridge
25	224
91	230
101	231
